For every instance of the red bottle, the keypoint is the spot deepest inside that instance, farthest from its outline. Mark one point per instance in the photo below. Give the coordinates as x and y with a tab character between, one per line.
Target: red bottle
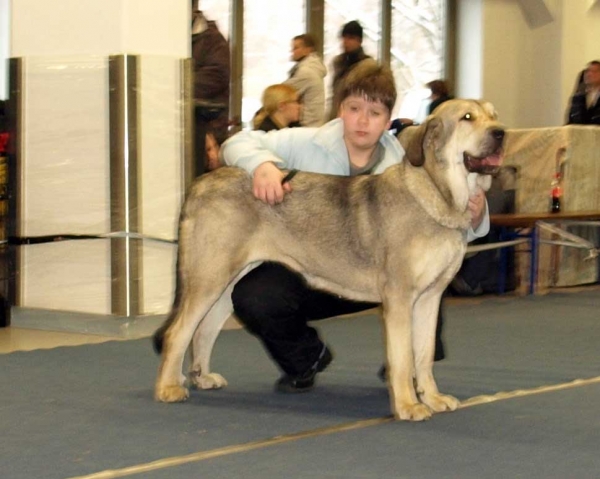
556	193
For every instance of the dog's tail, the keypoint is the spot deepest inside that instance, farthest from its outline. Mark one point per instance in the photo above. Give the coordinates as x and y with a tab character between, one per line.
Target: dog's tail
159	334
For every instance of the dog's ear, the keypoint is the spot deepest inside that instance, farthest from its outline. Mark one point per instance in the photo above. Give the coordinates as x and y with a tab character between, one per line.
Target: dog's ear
413	139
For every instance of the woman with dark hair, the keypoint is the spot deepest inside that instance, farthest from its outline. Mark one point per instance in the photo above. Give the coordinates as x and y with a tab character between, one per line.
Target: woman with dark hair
439	94
584	108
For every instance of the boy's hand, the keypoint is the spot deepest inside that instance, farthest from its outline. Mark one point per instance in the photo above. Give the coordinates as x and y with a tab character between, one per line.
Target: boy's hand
477	208
267	185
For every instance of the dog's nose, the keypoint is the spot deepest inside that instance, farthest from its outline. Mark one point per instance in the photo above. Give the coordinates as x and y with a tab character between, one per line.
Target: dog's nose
498	134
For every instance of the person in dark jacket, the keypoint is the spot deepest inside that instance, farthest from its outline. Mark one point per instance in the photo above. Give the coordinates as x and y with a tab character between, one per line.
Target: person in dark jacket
353	54
584	108
211	64
439	94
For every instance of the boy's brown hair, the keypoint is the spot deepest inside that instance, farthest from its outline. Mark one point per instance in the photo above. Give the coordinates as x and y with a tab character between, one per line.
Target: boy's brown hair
371	81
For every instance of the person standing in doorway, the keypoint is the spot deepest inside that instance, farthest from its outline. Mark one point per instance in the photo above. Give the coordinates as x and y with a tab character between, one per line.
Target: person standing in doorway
585	103
211	64
352	55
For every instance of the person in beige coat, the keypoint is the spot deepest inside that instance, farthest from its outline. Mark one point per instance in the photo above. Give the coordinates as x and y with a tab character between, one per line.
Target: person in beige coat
307	77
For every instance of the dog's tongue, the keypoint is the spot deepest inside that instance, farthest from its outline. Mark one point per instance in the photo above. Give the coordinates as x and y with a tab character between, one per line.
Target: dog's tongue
492	160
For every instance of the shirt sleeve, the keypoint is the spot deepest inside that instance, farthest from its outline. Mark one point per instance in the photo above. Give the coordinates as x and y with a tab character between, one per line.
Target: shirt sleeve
250	149
483	229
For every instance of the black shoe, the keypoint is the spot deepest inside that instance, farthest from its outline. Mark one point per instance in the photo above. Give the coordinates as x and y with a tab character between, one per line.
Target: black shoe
304	382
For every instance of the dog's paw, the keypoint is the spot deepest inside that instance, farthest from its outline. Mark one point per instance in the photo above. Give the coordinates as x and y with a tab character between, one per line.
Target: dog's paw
440	402
171	394
412	412
209	381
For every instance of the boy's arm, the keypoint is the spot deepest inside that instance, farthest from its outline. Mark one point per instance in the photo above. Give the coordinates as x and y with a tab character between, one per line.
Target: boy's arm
264	155
480	217
250	149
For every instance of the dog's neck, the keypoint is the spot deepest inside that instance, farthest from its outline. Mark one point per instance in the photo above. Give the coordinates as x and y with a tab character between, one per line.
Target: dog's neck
440	205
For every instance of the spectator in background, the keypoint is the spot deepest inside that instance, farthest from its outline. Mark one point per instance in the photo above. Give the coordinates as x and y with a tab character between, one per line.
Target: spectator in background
585	102
211	60
439	94
353	54
280	108
307	76
212	151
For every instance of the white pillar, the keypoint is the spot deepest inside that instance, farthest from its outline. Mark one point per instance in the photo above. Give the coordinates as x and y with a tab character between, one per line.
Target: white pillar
64	46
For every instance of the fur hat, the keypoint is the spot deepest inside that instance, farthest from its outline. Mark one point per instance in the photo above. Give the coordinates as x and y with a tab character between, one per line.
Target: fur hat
352	29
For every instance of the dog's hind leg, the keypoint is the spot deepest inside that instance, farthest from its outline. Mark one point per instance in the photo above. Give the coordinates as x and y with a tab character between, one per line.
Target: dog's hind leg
170	381
206	335
204	340
397	314
424	323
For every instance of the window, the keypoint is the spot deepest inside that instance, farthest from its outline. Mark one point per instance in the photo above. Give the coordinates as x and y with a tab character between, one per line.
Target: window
417	53
268	31
418	33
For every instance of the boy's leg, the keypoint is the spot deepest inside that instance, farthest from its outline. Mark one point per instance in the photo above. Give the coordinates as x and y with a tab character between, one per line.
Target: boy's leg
269	301
275	304
440	352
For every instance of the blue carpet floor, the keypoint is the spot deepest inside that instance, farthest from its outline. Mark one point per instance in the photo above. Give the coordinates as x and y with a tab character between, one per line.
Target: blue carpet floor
74	411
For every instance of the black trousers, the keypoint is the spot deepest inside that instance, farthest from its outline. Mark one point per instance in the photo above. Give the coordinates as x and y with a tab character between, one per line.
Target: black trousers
275	304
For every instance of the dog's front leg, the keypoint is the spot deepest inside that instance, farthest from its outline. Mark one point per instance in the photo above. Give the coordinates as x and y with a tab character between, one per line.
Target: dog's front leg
424	326
397	322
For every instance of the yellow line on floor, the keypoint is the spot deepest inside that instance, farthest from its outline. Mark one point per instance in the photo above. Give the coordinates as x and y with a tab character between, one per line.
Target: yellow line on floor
224	451
227	450
478	400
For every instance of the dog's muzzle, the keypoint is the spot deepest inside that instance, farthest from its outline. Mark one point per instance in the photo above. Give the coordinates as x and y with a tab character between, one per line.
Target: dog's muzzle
490	163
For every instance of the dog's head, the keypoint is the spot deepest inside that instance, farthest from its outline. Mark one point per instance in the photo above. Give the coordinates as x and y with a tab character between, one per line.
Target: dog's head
461	139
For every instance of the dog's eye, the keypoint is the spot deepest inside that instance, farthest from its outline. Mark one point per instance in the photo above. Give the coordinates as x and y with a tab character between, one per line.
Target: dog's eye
467	117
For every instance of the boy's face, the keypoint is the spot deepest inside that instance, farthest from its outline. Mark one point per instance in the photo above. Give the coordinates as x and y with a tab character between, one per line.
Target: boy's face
364	121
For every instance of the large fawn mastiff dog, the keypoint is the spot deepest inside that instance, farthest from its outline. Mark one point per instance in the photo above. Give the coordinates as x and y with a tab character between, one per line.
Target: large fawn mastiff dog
397	238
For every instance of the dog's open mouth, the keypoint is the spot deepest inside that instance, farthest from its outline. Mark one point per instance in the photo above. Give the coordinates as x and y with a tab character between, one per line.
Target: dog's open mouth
486	165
